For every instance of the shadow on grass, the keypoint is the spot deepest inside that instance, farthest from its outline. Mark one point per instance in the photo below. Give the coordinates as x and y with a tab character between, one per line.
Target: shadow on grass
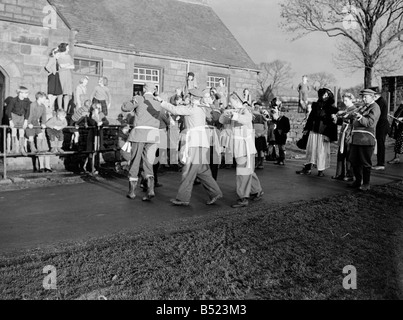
297	251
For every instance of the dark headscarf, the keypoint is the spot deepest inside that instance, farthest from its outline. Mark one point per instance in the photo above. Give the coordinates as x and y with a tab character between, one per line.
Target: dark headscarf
321	93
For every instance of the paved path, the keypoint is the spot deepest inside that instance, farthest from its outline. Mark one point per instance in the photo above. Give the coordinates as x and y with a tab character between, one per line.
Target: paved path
45	216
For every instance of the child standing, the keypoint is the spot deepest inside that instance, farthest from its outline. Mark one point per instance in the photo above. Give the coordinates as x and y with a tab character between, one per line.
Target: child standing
344	169
36	119
55	127
36	129
191	83
222	90
282	129
102	95
54	85
18	113
79	118
65	75
261	129
96	120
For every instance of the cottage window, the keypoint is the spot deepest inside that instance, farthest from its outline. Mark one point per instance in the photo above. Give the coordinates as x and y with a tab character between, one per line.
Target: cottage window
147	75
87	67
213	80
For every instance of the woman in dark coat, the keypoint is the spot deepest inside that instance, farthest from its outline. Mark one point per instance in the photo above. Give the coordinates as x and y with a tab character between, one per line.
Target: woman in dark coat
322	129
397	128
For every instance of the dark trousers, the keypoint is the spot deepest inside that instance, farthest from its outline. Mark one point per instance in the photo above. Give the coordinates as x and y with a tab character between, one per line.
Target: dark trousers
281	151
156	167
360	158
381	134
344	168
214	163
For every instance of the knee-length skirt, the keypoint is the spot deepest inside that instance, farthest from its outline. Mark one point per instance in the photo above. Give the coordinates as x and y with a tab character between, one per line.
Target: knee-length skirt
54	85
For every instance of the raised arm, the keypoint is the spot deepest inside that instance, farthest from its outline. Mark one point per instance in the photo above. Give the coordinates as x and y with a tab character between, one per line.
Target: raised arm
178	111
243	118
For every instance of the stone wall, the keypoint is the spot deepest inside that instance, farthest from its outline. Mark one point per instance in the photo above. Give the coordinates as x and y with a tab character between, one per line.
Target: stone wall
119	68
24	11
25	44
25	163
27	36
297	126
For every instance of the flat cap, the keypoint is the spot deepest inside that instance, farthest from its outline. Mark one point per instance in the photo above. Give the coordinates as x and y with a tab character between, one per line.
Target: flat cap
367	92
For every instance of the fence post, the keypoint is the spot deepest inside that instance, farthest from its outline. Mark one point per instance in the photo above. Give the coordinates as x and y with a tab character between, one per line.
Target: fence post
94	152
5	153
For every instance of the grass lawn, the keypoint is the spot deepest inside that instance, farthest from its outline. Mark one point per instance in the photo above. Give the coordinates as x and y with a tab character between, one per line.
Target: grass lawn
297	251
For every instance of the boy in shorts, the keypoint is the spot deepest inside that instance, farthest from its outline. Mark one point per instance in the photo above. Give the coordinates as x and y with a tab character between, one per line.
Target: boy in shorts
18	113
55	127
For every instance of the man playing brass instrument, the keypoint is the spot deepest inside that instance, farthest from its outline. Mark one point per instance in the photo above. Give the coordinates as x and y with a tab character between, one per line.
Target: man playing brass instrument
363	140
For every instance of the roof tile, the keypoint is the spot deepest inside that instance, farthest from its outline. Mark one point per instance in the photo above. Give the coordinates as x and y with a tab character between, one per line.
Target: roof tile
164	27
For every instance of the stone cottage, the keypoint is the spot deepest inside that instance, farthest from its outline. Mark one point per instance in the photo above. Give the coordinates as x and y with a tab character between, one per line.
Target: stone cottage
132	42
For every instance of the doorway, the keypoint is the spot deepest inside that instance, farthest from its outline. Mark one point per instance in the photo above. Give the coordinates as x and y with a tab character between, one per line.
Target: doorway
2	94
138	89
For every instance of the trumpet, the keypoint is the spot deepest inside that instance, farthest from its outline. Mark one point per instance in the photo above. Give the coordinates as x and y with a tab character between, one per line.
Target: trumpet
394	118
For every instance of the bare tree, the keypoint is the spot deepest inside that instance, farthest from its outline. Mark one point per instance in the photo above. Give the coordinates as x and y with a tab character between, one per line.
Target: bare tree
371	28
356	90
273	75
322	79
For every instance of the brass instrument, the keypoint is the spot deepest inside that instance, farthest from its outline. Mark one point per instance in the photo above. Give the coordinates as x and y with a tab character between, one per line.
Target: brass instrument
395	118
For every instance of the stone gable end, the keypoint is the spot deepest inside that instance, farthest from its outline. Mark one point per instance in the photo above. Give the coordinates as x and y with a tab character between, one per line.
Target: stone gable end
28	32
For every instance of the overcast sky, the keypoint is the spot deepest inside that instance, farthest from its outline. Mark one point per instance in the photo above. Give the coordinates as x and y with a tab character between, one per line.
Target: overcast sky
255	24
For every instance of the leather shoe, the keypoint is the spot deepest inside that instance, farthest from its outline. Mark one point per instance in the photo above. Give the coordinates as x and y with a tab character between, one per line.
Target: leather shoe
394	161
258	196
48	170
378	168
354	185
241	204
365	187
179	203
214	200
304	172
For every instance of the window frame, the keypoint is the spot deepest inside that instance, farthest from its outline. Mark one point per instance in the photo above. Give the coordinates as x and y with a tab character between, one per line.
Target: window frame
226	77
146	67
97	60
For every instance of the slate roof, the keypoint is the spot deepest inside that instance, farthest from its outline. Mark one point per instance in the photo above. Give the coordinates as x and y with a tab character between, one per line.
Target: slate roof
164	27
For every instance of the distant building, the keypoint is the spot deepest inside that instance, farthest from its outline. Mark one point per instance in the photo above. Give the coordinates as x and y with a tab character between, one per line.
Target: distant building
132	42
